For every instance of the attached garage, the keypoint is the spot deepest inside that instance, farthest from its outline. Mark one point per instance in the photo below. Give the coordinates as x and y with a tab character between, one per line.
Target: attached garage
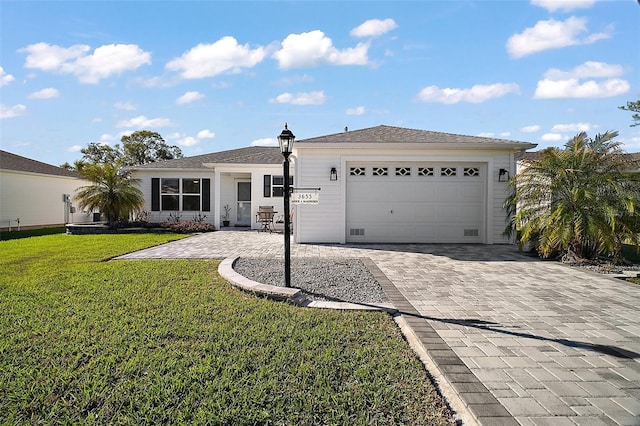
389	184
415	202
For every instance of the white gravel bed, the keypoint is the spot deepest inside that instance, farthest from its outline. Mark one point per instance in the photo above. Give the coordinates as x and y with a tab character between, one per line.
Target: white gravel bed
343	280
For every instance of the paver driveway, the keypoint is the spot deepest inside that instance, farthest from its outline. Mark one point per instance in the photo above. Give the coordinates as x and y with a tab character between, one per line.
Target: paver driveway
521	340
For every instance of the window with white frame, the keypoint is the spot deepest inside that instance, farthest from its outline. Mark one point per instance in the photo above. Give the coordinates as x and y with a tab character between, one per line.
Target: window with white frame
180	194
274	185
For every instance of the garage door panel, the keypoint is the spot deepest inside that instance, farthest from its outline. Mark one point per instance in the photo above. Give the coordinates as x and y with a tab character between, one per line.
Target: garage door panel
415	208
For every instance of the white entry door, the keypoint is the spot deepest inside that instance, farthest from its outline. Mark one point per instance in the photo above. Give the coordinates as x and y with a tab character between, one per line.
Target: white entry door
244	203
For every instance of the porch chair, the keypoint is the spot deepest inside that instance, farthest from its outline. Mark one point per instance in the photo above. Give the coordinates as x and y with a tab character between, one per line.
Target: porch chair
265	218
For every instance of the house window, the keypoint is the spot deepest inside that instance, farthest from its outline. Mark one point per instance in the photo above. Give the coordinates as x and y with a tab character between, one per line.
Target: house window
403	171
448	171
191	194
274	185
170	190
425	171
380	171
357	171
176	194
471	171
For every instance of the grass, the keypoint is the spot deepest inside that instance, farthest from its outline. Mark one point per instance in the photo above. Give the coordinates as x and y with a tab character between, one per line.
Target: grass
84	341
13	235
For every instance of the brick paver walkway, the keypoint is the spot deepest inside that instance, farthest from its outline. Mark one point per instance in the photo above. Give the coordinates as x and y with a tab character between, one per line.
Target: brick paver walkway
522	341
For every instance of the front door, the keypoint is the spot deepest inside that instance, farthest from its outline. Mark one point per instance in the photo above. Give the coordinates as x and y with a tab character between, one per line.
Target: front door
244	204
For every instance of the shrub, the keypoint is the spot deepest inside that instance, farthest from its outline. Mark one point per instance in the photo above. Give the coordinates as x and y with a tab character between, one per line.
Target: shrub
188	227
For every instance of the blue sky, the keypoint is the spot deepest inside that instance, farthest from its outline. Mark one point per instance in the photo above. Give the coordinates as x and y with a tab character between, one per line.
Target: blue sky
211	76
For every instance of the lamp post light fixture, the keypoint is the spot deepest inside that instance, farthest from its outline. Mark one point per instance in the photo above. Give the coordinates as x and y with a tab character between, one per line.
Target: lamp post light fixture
285	140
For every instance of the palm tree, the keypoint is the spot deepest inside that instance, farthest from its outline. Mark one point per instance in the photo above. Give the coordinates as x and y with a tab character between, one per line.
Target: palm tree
580	201
112	191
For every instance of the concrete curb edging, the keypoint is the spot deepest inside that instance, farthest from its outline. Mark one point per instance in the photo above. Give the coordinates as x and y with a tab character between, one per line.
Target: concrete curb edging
446	389
292	295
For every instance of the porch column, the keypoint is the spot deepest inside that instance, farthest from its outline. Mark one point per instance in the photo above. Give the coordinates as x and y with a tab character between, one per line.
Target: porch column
216	198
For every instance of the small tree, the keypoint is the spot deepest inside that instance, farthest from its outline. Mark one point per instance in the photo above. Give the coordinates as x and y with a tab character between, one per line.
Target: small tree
579	201
635	108
144	147
112	191
140	147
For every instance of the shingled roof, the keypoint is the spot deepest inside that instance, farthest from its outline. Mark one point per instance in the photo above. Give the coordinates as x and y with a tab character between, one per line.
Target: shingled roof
390	134
248	155
9	161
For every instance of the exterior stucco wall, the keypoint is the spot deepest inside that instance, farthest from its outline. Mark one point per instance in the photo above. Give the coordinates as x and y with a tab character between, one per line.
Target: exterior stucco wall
224	180
36	199
145	177
326	221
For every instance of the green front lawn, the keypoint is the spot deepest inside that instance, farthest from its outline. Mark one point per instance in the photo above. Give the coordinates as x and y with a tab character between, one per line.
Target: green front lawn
83	340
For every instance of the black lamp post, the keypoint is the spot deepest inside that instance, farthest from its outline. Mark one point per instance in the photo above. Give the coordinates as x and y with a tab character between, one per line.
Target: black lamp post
285	140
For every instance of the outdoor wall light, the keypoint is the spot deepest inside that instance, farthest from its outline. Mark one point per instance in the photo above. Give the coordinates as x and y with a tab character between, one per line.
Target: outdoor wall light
503	175
333	175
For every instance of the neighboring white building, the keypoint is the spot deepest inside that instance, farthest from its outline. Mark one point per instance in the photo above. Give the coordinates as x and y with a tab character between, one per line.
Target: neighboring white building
391	184
34	194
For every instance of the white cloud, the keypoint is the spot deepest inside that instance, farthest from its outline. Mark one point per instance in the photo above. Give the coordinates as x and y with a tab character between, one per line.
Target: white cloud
104	62
188	141
551	34
374	28
143	122
208	60
589	69
530	129
296	79
125	106
206	134
563	5
572	88
265	142
486	134
74	148
566	84
315	48
355	111
12	111
476	94
305	98
5	78
189	97
573	127
105	138
633	144
551	137
505	134
48	93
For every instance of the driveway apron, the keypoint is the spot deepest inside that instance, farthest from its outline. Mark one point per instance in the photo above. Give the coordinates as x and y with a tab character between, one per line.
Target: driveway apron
521	341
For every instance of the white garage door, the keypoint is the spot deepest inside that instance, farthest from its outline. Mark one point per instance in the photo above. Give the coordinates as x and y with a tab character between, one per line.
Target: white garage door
415	202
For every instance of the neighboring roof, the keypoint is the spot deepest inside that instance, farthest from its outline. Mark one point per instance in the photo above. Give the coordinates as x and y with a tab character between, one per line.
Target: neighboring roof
248	155
390	134
9	161
536	155
528	156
